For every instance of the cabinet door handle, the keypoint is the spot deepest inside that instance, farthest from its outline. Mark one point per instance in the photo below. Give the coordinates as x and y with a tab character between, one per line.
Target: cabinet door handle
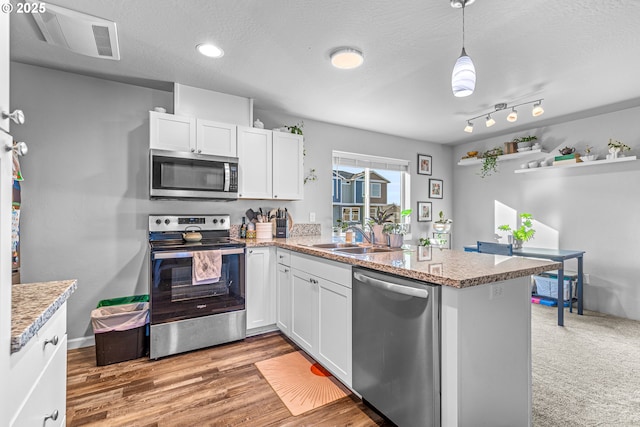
281	256
275	196
250	251
53	341
193	150
53	416
199	151
17	116
286	270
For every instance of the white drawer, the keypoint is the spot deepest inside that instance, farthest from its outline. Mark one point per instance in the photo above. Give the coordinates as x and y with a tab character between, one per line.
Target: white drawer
28	363
283	256
321	267
49	394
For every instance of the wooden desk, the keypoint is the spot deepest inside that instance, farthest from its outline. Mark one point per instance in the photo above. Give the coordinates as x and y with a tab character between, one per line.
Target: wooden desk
558	255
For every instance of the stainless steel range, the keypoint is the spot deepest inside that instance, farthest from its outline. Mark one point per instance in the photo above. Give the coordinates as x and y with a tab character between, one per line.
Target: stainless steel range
197	283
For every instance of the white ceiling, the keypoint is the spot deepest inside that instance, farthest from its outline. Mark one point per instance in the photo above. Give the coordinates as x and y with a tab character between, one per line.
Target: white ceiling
581	57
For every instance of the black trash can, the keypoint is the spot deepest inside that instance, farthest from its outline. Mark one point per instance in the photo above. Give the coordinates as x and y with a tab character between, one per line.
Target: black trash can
121	332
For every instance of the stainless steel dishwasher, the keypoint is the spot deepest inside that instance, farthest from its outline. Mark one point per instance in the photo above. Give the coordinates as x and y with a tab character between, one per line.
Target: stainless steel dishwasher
396	347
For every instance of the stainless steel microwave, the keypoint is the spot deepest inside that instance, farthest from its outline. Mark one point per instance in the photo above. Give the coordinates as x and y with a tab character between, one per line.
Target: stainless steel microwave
177	175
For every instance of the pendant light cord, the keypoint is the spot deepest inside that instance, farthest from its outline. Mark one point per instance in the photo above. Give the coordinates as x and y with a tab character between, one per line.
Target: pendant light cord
463	3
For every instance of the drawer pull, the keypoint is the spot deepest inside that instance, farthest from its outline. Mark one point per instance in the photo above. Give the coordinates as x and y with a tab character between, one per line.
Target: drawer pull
53	416
53	341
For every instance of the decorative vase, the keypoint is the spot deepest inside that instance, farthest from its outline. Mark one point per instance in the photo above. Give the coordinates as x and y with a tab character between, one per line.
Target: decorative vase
614	152
379	236
441	227
396	240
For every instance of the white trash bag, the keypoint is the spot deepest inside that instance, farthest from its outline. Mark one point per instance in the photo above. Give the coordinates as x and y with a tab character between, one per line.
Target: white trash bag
120	317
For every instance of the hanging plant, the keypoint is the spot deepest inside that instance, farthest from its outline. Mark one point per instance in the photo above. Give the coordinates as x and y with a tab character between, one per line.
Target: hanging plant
490	161
311	176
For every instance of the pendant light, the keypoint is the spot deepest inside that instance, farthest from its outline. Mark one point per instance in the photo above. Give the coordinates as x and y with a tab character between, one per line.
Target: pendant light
463	78
513	115
537	109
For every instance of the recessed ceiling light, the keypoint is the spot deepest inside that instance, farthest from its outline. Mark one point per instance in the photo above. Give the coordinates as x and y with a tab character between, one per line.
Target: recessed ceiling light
210	50
346	58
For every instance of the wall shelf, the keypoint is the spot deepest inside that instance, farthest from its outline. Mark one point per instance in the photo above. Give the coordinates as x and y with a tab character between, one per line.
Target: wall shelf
576	165
477	161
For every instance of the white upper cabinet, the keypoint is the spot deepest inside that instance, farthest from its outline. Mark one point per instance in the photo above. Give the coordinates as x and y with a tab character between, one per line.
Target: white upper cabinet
216	138
255	169
4	71
188	134
270	164
171	132
288	172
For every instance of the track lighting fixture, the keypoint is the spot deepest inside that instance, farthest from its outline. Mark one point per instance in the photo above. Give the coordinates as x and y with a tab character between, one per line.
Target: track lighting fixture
469	127
537	109
490	122
512	117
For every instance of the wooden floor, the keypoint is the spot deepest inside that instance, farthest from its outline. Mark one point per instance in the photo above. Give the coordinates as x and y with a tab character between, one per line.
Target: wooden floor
218	386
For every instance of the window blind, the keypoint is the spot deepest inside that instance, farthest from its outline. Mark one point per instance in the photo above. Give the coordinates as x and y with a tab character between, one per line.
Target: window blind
372	162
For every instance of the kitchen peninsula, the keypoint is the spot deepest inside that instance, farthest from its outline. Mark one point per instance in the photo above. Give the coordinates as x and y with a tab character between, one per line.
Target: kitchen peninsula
39	352
485	319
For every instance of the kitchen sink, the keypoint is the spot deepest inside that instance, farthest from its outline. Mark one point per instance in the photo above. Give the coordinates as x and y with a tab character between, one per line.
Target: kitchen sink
336	245
364	250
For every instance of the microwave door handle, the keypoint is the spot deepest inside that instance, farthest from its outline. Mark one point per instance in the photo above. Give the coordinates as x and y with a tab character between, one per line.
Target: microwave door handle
189	254
227	177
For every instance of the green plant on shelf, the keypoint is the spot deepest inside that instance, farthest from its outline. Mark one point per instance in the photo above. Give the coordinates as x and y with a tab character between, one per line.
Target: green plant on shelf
490	161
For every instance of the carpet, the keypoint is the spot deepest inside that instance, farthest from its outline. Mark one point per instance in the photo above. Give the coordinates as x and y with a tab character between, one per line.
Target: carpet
586	373
300	383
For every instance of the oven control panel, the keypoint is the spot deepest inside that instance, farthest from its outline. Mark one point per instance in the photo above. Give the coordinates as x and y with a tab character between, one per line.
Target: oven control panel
189	222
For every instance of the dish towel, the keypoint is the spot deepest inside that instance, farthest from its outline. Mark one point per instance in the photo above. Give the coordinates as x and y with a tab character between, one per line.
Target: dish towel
206	267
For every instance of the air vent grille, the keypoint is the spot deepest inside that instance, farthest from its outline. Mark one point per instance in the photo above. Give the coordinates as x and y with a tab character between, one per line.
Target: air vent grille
103	41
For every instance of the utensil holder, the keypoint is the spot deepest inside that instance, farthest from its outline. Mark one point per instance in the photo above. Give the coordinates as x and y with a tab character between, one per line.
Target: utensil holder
282	227
263	230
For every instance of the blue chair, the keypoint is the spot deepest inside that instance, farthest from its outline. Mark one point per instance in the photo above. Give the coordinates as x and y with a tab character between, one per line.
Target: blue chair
495	248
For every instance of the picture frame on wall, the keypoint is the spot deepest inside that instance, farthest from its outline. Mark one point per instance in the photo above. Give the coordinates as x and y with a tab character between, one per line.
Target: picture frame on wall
436	190
424	211
424	164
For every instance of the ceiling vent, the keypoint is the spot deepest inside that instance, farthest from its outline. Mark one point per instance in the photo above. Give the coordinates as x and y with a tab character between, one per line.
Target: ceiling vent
78	32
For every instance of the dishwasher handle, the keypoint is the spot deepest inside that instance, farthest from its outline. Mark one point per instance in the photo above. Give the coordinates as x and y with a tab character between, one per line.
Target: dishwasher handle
392	287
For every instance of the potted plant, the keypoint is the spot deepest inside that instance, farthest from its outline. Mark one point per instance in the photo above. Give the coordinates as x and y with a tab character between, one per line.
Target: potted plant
297	128
397	230
616	146
524	141
377	222
341	227
443	225
490	161
522	234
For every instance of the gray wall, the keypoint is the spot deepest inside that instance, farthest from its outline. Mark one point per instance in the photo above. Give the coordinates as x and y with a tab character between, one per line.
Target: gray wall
595	209
85	194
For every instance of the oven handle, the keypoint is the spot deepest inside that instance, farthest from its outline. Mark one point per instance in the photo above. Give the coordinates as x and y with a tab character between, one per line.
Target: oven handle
189	254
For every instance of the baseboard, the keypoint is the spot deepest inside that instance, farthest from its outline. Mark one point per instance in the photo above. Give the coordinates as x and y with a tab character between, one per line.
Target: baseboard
81	342
262	330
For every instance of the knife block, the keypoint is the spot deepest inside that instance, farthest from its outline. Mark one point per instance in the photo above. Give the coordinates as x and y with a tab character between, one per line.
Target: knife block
282	227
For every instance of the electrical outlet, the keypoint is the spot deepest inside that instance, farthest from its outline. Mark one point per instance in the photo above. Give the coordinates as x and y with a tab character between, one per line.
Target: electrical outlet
312	217
585	278
496	291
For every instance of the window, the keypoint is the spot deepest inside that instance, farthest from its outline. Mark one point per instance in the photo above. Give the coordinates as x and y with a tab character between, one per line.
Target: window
351	214
376	190
387	180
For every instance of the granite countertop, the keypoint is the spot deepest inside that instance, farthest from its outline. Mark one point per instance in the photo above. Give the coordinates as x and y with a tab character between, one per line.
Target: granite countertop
445	267
32	304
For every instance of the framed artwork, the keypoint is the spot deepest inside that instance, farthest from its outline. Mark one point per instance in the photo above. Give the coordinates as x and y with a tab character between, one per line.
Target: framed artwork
424	164
424	253
424	211
435	269
435	189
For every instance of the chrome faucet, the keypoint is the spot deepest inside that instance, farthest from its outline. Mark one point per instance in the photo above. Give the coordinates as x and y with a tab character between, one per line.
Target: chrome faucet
367	236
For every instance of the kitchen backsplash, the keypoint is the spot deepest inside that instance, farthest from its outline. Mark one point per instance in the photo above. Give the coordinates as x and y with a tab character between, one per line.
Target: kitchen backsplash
298	230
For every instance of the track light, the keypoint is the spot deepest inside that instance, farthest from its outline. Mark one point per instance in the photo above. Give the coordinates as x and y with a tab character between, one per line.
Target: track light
537	109
469	127
512	117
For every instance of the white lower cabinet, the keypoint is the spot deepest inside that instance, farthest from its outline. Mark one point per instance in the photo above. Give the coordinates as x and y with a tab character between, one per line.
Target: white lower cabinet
284	282
334	328
260	288
304	314
38	376
321	312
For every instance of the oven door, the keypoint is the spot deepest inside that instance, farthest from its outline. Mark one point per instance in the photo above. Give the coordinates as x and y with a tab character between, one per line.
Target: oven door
174	296
177	175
